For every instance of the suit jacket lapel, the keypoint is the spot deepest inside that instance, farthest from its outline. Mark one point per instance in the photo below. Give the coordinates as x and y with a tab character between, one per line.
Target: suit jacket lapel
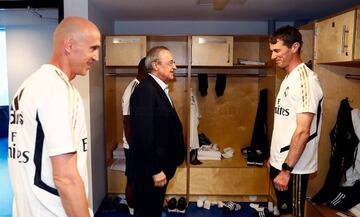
161	92
163	95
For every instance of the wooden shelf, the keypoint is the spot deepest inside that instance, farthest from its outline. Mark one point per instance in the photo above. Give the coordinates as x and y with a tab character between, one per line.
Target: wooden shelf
111	161
355	63
132	72
235	66
117	181
253	66
237	161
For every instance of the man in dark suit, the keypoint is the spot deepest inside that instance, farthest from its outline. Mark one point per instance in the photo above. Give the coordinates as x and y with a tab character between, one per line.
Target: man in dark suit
157	142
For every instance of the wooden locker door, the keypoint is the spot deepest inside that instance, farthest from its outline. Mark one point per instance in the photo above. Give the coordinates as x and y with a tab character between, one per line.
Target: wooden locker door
124	50
334	38
357	36
212	50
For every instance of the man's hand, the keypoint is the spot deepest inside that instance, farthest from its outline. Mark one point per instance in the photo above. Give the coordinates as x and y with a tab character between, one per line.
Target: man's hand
160	179
281	181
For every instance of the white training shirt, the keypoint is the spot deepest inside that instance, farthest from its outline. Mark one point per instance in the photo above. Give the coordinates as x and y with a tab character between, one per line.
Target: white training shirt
194	121
299	92
46	119
126	104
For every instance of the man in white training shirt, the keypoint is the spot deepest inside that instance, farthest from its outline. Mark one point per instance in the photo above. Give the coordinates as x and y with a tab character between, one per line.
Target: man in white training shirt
129	192
47	133
297	123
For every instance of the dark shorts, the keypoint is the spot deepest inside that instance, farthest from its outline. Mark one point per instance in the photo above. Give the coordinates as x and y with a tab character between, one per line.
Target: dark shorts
291	201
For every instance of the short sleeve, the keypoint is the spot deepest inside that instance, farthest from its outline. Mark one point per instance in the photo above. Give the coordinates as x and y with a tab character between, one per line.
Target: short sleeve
308	94
126	103
126	97
54	117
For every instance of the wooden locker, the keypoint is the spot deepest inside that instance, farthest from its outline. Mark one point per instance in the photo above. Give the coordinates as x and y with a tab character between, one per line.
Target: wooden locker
212	50
124	50
335	38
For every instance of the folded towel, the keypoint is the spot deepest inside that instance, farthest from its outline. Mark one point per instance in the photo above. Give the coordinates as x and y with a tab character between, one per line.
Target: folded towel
118	152
216	154
118	165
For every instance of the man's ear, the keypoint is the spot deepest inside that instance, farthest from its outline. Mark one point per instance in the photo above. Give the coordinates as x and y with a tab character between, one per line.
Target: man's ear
154	66
295	47
68	45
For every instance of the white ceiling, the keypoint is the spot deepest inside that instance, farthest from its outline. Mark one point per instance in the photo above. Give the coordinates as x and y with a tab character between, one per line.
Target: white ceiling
236	10
183	10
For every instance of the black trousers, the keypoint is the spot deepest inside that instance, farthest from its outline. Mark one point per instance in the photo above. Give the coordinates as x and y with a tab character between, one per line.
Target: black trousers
291	201
148	199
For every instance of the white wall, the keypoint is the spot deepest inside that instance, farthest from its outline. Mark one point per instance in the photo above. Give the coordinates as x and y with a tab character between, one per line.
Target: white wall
28	47
91	90
82	83
192	27
98	165
99	173
4	97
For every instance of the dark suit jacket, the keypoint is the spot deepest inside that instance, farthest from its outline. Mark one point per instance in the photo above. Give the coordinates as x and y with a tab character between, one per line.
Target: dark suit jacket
157	141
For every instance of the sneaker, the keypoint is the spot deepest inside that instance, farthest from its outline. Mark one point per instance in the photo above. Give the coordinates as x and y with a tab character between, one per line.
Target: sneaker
251	157
255	157
245	150
207	204
203	140
263	213
231	207
193	157
172	205
228	152
260	158
181	205
200	203
276	211
131	211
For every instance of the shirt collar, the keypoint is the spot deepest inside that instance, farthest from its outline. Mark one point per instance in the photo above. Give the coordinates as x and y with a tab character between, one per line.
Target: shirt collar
58	71
160	82
294	70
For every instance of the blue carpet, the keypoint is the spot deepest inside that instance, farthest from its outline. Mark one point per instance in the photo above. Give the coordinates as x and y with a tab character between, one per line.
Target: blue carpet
5	186
191	211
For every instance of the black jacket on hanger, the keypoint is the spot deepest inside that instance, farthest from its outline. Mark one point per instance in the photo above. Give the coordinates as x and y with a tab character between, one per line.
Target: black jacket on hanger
343	143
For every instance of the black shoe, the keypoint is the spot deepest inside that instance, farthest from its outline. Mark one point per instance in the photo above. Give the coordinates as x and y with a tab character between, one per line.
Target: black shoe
255	157
172	205
245	150
260	158
193	157
181	205
251	157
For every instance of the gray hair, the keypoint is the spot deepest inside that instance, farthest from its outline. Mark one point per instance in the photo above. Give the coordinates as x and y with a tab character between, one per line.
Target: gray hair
153	56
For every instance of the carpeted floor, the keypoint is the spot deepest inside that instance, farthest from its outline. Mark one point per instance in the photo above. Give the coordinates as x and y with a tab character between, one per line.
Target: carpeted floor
117	209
